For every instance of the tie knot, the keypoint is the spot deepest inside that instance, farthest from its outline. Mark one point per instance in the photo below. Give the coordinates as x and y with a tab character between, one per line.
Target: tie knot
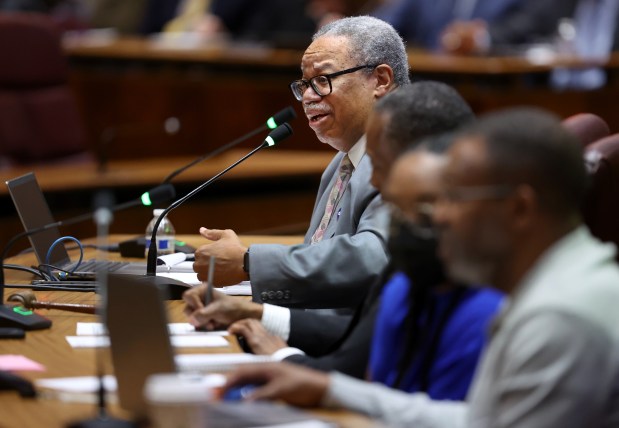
346	166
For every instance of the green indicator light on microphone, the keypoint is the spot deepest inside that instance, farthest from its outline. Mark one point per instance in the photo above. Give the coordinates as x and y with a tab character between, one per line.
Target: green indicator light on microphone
271	123
146	199
269	140
22	311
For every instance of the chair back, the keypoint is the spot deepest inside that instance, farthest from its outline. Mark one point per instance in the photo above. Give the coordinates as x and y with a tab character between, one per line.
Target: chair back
601	205
39	118
587	127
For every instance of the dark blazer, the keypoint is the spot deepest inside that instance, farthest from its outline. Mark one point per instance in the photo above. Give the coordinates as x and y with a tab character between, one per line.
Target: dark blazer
338	271
332	342
351	353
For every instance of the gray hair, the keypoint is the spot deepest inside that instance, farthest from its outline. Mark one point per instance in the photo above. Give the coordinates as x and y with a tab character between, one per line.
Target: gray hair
372	42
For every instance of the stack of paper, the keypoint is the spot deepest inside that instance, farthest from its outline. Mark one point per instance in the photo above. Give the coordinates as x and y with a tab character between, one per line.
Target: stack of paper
183	335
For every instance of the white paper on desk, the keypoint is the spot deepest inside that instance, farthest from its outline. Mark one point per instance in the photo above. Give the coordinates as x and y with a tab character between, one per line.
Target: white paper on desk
241	289
217	362
182	267
199	341
175	262
79	384
193	341
190	278
181	328
88	341
175	328
170	260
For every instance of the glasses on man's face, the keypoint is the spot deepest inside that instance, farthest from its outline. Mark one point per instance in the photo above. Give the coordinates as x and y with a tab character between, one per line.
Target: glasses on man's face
321	84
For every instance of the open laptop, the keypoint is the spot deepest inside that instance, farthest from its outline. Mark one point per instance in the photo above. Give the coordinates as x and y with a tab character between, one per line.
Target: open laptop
34	212
136	321
137	325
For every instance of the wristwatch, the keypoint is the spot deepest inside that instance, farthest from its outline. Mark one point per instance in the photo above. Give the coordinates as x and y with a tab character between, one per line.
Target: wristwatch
246	262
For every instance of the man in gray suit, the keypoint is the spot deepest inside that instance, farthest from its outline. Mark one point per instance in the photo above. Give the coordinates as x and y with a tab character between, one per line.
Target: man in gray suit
349	65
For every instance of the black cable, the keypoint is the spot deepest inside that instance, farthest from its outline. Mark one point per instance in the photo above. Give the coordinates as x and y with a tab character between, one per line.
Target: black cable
31	270
60	287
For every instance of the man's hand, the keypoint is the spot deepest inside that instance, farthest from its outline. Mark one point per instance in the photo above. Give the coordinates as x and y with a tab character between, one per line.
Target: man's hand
221	312
229	253
296	385
259	340
466	38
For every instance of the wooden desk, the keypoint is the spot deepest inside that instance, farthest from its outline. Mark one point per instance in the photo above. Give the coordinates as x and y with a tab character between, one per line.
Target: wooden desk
50	348
219	91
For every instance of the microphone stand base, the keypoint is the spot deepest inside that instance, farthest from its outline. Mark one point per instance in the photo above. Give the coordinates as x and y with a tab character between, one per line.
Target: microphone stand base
18	316
103	422
172	287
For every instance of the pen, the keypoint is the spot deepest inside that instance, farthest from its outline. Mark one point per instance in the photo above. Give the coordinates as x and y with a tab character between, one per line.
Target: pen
208	297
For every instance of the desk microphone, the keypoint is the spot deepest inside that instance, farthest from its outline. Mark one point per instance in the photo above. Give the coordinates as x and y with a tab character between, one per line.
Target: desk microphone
103	218
28	320
135	247
278	134
282	116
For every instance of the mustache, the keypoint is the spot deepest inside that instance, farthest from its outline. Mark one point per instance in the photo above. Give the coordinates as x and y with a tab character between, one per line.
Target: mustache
315	108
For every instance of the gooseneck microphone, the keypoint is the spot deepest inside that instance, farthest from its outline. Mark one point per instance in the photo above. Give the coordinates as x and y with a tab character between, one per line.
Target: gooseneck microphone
28	320
282	116
161	193
280	133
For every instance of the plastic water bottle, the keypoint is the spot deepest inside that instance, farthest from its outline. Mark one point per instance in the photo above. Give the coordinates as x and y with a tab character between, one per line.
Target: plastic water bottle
165	234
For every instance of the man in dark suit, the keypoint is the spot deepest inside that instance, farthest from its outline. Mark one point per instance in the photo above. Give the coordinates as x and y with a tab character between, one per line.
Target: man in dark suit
351	64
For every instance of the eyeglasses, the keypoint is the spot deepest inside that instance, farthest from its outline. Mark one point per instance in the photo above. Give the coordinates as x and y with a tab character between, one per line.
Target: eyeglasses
321	84
476	193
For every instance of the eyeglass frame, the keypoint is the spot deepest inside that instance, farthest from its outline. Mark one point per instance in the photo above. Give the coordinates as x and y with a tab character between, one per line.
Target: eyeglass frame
308	83
424	210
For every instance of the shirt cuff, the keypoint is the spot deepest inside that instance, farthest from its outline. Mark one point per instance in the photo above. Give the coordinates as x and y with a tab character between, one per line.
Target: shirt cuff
282	354
276	320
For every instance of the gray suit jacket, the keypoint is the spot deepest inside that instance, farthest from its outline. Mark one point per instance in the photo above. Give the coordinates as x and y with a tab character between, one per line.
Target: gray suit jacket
336	272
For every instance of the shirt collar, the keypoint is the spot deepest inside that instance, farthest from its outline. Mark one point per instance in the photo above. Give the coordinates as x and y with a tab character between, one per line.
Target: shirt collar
357	151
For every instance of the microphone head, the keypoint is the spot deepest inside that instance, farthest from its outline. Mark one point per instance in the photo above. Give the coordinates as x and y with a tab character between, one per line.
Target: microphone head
285	115
280	133
103	203
161	193
103	199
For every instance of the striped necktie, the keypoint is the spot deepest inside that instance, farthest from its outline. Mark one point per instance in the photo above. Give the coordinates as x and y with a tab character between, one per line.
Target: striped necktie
345	171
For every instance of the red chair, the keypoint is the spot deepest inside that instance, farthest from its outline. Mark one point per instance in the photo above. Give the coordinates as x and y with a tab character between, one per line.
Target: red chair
587	127
601	205
39	119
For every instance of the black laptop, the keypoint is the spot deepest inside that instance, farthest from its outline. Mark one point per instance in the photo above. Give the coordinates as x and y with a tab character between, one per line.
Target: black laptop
34	212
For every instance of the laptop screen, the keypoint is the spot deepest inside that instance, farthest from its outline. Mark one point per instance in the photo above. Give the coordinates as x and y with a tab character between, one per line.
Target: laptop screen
34	212
137	323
